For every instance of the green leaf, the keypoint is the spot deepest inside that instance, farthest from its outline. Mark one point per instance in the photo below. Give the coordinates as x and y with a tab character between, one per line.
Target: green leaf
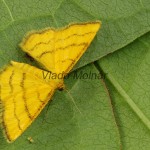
128	74
61	125
122	22
87	124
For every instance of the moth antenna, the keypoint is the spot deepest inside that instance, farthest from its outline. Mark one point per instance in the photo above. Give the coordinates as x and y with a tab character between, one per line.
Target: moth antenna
45	115
72	100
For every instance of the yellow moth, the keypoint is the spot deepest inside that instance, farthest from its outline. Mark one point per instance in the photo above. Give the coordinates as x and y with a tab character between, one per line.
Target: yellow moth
23	90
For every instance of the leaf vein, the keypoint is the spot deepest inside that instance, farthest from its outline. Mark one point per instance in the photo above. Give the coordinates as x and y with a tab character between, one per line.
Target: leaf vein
9	11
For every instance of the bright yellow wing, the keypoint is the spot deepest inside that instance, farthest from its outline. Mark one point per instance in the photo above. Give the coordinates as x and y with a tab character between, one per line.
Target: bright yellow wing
22	96
59	50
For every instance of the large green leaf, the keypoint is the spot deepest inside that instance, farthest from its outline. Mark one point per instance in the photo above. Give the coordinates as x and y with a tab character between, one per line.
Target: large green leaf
128	73
87	124
122	22
61	125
